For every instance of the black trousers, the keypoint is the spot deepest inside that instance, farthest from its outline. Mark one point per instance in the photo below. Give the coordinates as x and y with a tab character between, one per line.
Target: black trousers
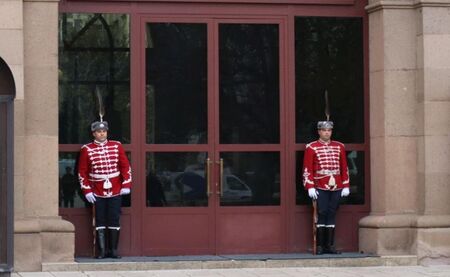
107	212
327	205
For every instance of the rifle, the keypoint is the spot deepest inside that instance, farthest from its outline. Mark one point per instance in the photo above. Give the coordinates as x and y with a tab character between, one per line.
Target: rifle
314	226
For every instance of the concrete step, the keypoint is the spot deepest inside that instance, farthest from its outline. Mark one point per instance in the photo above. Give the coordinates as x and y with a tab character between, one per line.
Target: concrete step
230	261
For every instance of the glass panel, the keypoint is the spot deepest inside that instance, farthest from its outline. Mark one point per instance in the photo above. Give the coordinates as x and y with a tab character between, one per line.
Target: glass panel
329	56
250	179
176	83
176	179
355	160
249	83
3	183
70	194
94	54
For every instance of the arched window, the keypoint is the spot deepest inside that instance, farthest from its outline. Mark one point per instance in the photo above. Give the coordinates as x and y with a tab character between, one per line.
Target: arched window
7	93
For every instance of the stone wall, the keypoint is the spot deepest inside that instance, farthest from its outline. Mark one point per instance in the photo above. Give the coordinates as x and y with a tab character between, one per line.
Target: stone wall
409	133
29	45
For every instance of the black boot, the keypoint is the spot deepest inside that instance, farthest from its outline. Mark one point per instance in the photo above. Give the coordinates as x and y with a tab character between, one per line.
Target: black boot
113	243
320	239
101	241
330	247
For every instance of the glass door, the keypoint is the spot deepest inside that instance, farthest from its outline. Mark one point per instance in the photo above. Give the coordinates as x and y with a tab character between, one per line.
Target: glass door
249	141
178	215
213	136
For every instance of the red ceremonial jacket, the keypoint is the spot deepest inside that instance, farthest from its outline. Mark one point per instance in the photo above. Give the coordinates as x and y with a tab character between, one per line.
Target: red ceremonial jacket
103	168
325	166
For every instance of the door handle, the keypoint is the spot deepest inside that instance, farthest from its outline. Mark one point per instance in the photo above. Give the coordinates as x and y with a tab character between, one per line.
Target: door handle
208	174
220	185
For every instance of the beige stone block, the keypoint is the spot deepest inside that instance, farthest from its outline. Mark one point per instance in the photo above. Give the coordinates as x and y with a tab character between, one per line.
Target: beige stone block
437	84
437	154
377	104
11	15
41	92
17	71
298	263
401	164
435	20
387	241
433	246
58	240
399	39
19	118
378	174
400	260
11	46
437	190
73	266
400	103
347	262
217	264
41	32
58	246
41	176
249	264
19	155
421	192
376	41
106	266
18	196
419	52
27	252
437	115
436	54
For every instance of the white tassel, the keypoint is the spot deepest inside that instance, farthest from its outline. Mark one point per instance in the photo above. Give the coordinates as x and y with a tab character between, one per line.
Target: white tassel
107	184
332	182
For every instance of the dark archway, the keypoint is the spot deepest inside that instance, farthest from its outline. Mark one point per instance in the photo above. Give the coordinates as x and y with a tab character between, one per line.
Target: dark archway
7	94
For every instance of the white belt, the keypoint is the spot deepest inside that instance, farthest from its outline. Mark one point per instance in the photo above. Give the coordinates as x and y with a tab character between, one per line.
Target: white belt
104	176
329	172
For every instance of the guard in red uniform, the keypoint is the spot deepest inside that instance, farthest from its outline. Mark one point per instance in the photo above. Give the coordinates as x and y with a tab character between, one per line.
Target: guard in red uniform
104	173
325	176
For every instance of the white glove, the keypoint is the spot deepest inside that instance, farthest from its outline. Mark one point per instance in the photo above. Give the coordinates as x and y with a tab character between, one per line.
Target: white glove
313	193
90	197
345	192
124	191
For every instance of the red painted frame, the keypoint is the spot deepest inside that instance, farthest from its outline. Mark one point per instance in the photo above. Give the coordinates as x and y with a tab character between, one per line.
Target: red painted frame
295	236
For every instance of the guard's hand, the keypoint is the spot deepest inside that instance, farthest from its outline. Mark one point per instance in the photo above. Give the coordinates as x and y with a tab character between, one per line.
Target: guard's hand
345	192
90	197
313	193
124	191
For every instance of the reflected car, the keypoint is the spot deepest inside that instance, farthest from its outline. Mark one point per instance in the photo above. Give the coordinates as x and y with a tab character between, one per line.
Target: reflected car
191	185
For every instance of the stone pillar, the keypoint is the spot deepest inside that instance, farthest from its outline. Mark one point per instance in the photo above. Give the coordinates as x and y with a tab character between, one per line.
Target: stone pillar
40	234
410	141
389	229
433	56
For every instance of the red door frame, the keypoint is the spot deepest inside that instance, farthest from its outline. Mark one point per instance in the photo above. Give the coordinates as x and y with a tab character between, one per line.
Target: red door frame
294	217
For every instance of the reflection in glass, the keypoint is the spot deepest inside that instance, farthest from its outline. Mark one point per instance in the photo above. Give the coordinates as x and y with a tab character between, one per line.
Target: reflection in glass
329	56
355	161
94	54
249	83
250	179
70	194
176	83
176	179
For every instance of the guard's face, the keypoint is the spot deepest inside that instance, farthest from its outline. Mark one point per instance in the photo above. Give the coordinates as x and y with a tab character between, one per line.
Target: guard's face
325	134
100	135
